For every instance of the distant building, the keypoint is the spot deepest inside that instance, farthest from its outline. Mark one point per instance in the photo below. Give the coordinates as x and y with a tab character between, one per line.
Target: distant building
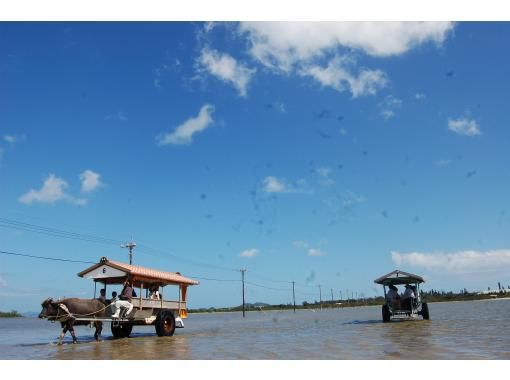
495	291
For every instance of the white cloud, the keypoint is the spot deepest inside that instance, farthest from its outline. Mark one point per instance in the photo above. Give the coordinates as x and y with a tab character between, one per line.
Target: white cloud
419	96
464	126
389	105
322	51
461	262
249	253
274	185
3	283
226	68
53	190
338	76
12	139
281	45
315	252
89	181
183	134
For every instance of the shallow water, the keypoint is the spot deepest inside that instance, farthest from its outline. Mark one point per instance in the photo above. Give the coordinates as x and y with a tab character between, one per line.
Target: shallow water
457	330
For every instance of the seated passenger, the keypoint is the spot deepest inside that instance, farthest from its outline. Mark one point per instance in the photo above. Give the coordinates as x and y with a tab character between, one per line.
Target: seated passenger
408	297
124	302
393	297
154	293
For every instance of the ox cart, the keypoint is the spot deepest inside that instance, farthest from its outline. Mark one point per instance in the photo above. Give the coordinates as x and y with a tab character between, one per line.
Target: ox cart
400	307
165	315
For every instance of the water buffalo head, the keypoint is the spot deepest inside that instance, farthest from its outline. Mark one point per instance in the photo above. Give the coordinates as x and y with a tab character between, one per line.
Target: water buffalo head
49	309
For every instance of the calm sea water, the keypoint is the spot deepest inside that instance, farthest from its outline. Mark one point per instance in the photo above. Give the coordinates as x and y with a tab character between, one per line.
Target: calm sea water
457	330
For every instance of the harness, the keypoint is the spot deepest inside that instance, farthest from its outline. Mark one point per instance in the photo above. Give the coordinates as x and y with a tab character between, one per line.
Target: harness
68	314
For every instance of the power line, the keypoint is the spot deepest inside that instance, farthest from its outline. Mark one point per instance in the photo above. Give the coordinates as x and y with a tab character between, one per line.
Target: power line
266	287
53	232
46	258
63	234
214	279
57	233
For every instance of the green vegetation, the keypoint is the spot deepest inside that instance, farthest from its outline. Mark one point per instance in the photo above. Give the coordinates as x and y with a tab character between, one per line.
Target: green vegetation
429	296
10	314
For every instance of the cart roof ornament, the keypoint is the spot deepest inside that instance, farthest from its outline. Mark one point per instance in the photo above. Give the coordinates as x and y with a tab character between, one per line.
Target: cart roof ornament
115	272
398	277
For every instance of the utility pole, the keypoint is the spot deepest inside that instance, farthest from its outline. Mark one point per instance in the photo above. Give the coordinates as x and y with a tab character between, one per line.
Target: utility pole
294	296
242	276
130	246
320	296
332	297
341	297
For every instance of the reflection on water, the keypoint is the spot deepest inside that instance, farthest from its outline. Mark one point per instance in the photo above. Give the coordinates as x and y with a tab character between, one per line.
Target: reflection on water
460	330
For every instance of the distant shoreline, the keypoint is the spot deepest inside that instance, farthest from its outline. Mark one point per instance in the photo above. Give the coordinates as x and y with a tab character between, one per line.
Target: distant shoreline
342	304
10	314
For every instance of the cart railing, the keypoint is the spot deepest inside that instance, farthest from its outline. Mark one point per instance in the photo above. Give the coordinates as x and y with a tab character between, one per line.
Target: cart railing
148	303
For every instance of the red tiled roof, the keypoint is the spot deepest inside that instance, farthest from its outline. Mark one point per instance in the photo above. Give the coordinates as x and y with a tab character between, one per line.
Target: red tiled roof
138	271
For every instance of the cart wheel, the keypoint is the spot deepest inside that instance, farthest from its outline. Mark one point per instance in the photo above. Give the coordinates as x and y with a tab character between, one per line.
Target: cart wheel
122	330
425	311
165	323
385	313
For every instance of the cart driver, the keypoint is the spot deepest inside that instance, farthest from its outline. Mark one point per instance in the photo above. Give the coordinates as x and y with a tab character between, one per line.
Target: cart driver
124	302
393	297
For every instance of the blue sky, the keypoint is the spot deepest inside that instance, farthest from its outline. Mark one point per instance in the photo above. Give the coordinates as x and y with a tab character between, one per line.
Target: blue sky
324	153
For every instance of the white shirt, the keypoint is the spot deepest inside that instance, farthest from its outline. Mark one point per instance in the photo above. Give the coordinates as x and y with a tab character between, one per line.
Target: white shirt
408	293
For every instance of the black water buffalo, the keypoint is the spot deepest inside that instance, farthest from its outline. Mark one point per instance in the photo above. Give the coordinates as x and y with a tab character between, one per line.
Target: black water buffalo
68	309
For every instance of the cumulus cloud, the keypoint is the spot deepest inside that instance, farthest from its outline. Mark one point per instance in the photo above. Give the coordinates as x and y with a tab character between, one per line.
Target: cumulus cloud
183	134
299	46
389	106
464	126
273	184
315	252
281	45
249	253
53	190
337	74
226	68
461	262
89	181
3	283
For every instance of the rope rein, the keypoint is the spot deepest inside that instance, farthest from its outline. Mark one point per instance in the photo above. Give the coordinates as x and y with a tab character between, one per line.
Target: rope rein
71	315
